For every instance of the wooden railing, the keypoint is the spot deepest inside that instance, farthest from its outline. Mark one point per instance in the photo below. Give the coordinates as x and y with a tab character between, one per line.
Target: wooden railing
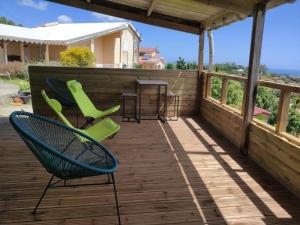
284	100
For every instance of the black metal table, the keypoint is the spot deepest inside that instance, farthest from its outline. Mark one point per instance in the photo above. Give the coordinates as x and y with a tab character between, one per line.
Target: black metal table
159	84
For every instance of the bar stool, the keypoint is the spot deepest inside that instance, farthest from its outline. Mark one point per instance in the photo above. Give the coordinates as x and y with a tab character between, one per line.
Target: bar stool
175	99
127	96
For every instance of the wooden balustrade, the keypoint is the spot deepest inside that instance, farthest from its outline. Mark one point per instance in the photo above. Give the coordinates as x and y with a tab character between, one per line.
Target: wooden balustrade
284	101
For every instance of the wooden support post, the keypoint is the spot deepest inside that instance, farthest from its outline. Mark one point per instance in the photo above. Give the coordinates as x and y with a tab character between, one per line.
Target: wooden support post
224	92
47	54
22	56
93	45
253	71
201	78
244	99
211	50
200	64
283	111
201	51
5	51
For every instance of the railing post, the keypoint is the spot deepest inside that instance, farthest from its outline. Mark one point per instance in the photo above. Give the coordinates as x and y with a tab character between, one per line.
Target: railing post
5	51
283	111
208	85
224	91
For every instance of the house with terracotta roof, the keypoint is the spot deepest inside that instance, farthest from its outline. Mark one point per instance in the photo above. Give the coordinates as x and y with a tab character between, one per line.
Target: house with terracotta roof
115	45
261	114
149	58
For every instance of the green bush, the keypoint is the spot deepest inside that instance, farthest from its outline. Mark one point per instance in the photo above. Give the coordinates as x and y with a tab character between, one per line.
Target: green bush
24	86
76	56
15	69
138	66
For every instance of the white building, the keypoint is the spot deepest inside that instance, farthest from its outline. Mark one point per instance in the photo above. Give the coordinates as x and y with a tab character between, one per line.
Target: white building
114	44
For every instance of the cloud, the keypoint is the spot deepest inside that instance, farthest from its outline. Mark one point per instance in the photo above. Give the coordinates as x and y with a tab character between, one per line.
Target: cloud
39	5
64	19
104	17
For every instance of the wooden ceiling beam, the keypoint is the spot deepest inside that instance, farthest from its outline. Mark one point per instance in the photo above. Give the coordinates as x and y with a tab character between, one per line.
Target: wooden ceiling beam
151	7
136	14
221	19
230	5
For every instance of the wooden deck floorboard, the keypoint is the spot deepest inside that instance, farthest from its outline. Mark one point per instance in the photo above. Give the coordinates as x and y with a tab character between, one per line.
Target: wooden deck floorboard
180	173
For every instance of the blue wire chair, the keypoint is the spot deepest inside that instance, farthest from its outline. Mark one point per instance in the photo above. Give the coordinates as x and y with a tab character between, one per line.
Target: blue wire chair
62	93
62	152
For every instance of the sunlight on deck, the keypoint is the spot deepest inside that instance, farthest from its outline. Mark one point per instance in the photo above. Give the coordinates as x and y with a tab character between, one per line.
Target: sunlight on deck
195	141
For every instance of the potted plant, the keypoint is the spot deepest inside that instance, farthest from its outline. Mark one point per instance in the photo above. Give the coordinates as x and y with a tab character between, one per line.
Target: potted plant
24	94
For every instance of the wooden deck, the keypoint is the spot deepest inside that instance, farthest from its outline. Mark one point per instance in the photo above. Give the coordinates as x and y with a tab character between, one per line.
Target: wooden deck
175	173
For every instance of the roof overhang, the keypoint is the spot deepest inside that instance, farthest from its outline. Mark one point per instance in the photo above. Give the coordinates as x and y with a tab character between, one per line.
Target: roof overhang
188	15
103	33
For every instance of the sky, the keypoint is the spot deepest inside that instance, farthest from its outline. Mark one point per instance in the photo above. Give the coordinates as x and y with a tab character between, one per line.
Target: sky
281	40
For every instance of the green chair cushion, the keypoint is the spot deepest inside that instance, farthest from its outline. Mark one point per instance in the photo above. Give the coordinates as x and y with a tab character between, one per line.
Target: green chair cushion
102	130
85	105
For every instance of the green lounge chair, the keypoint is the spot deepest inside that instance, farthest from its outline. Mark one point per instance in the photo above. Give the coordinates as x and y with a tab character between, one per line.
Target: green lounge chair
85	105
98	131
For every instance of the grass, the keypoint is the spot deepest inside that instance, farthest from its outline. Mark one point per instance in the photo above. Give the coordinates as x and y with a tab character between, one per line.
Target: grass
16	81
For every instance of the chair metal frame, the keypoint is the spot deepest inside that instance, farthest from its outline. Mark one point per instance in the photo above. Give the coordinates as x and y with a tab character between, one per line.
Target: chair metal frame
30	140
65	101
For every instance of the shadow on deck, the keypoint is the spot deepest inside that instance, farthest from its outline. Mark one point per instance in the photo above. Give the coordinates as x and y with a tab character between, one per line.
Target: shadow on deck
175	173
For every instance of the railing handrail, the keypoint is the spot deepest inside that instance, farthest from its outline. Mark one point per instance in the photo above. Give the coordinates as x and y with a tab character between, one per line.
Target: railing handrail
227	76
282	87
284	100
265	83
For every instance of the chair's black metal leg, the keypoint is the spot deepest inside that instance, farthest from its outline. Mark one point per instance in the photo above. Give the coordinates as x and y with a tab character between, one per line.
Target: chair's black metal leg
41	198
108	179
77	118
117	204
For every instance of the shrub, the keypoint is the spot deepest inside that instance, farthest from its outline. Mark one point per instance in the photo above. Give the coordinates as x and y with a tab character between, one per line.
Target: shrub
170	66
16	69
24	86
76	56
138	66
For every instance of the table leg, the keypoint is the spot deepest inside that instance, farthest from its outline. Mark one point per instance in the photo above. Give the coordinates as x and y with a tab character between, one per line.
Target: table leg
140	102
123	106
158	103
165	102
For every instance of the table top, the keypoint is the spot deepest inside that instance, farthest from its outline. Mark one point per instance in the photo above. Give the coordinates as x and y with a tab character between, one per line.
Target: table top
152	82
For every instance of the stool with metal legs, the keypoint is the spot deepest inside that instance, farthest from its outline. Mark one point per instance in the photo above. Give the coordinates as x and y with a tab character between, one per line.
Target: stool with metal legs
175	99
126	96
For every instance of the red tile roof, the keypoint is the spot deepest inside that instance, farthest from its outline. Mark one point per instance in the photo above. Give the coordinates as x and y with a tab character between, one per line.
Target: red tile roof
148	50
258	111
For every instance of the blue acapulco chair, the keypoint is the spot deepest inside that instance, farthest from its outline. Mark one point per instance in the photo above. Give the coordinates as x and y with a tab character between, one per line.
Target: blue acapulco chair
62	153
62	93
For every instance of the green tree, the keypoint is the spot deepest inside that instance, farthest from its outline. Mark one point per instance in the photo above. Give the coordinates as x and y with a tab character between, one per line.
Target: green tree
293	126
266	98
216	88
77	57
180	64
235	94
170	66
4	20
191	66
294	123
